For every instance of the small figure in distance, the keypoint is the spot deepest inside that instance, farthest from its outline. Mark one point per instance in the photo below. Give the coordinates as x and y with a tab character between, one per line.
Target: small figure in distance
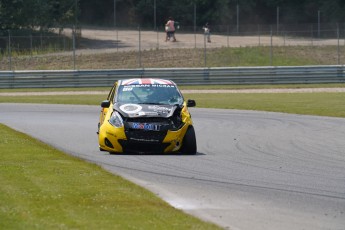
170	30
207	32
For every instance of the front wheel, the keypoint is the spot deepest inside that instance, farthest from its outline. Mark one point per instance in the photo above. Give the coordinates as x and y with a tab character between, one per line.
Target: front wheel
189	142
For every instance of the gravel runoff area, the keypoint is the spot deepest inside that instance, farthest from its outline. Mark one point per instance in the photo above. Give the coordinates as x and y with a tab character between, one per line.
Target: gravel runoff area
109	40
298	90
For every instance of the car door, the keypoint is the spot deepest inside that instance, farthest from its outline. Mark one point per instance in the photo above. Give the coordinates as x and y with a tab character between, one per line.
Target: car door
110	98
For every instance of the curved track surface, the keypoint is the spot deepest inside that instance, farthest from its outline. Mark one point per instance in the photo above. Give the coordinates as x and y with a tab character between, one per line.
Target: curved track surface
253	170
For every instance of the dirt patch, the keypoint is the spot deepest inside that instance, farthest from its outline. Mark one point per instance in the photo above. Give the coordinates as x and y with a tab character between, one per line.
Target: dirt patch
111	40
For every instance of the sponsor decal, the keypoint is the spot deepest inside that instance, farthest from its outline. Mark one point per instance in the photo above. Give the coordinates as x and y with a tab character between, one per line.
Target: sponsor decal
131	108
127	89
159	109
130	87
146	81
146	126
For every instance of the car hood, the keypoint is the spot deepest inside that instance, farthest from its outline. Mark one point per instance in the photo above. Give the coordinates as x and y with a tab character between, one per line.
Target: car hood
145	110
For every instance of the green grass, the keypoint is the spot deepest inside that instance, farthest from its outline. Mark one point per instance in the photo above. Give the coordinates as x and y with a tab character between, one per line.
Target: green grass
163	58
255	56
42	188
60	99
322	104
293	86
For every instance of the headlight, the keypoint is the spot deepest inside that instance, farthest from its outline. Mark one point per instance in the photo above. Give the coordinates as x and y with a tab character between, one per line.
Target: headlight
116	120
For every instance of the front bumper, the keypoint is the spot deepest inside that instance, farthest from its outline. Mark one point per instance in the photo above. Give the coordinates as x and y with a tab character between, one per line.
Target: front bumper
119	140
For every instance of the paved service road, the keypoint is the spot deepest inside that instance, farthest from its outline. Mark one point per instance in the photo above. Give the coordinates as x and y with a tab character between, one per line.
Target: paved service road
253	170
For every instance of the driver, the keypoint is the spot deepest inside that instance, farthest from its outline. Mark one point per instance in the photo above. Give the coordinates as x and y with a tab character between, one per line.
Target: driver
163	95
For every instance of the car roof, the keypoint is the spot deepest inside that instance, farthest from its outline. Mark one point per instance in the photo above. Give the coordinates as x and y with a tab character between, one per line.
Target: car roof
146	81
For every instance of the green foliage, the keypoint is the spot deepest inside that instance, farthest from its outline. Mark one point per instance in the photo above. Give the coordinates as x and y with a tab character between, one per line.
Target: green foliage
15	14
46	13
216	12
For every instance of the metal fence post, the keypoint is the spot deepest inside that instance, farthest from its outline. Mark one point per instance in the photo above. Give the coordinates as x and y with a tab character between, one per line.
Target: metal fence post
277	20
31	51
259	35
194	26
117	39
139	47
205	53
312	36
338	47
318	23
73	35
238	18
9	50
157	47
271	48
227	35
64	43
41	36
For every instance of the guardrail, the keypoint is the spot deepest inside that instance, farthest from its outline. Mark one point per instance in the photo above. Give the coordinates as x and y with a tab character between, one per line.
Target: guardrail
182	76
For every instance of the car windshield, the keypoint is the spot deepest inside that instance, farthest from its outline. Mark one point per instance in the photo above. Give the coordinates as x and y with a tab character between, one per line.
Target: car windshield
149	94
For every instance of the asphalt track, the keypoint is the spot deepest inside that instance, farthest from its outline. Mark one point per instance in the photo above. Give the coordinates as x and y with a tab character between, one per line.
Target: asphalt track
253	170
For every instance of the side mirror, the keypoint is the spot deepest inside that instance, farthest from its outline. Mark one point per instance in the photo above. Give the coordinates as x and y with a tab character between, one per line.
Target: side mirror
191	103
105	104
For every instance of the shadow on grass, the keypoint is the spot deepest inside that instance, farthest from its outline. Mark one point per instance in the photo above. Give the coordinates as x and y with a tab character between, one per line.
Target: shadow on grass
86	43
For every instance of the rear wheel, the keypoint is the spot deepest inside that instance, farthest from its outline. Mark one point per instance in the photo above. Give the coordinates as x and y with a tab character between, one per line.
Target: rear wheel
189	142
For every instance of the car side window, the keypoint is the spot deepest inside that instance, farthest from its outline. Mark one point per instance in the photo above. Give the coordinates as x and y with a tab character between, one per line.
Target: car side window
112	93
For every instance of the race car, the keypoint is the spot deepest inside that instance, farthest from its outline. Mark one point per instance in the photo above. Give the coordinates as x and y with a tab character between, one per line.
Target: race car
146	115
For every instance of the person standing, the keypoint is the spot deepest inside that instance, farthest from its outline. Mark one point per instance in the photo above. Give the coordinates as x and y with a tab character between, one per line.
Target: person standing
170	30
207	32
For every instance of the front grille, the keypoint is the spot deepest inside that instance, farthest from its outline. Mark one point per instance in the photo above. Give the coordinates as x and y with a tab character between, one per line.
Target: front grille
145	139
145	135
129	146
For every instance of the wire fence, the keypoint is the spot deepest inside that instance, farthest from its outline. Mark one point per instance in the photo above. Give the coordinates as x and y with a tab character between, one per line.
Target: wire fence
121	48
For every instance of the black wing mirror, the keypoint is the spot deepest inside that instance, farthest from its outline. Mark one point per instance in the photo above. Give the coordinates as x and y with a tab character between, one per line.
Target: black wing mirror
191	103
105	104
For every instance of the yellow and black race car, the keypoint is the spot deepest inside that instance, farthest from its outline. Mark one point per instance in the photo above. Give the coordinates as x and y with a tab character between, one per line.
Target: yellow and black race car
146	115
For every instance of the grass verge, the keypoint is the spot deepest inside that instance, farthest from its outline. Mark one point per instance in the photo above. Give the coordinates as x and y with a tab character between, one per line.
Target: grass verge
322	104
185	87
180	57
42	188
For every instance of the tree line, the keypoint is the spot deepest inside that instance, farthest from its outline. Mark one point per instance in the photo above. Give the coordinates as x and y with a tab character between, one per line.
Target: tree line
29	14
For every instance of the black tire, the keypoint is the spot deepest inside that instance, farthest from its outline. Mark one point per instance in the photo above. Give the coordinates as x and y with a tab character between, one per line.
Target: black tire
189	142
